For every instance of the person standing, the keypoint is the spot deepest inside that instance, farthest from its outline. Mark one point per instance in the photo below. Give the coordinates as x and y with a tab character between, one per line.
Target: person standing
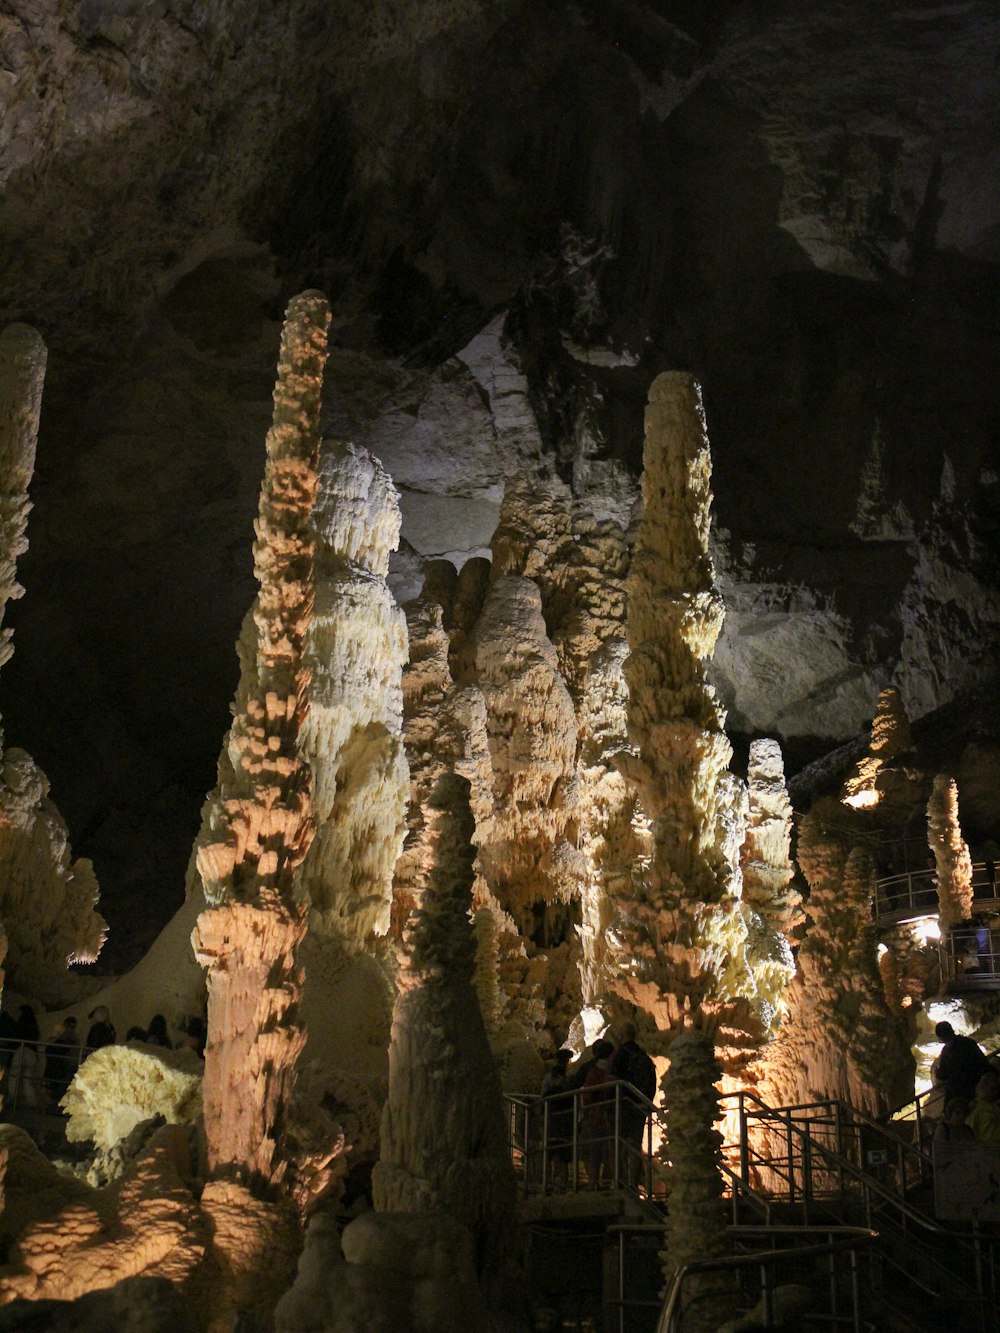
557	1116
632	1065
961	1063
598	1114
102	1030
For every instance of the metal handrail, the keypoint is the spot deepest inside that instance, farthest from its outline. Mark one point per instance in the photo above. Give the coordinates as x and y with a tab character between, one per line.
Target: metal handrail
851	1243
870	1185
898	894
34	1090
613	1148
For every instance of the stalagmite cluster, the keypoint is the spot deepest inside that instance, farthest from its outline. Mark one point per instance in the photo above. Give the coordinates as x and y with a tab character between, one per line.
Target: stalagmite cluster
952	862
841	1038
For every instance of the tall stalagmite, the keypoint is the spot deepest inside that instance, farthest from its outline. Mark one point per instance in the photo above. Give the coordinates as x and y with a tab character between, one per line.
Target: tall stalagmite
443	1137
682	928
258	835
951	852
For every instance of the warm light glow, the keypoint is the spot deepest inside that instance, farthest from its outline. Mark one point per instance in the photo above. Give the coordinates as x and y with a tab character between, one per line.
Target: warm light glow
863	800
927	929
594	1025
906	1001
883	949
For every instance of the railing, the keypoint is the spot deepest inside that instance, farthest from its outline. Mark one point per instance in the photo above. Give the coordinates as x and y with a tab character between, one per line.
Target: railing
807	1160
598	1137
913	894
36	1074
842	1244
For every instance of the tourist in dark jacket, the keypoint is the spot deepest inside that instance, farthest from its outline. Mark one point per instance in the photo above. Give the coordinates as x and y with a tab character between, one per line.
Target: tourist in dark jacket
961	1063
102	1030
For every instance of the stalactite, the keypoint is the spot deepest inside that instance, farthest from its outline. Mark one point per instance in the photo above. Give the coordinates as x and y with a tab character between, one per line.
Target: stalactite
443	1137
249	935
952	861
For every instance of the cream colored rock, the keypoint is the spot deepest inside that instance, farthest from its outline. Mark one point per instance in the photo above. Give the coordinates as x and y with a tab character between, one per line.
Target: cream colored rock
890	738
22	374
117	1087
841	1038
147	1224
47	899
952	861
259	831
353	736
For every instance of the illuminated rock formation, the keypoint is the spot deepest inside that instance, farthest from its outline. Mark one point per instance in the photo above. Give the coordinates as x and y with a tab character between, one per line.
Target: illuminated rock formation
683	927
249	935
841	1038
46	899
22	375
148	1223
952	861
772	906
443	1143
766	854
527	858
258	834
353	736
118	1087
890	739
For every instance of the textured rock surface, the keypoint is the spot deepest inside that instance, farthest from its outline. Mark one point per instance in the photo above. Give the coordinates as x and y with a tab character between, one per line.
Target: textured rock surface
117	1087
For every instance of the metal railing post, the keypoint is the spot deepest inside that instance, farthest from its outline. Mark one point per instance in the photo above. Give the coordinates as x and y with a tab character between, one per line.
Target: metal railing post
617	1145
545	1145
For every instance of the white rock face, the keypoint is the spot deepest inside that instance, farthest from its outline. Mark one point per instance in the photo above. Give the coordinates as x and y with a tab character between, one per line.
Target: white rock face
117	1087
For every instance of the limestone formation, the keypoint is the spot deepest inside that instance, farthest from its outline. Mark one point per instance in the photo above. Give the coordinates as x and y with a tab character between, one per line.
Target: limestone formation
953	864
841	1038
388	1271
772	906
147	1224
444	1143
527	857
46	899
766	855
683	928
22	374
890	739
118	1087
353	735
259	834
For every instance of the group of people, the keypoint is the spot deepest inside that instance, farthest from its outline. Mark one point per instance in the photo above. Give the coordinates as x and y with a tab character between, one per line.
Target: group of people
39	1073
615	1086
971	1090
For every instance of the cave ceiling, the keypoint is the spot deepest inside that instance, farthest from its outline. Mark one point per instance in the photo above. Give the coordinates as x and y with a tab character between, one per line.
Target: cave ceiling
521	213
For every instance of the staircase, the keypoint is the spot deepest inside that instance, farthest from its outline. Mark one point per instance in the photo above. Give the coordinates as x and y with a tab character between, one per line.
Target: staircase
819	1194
